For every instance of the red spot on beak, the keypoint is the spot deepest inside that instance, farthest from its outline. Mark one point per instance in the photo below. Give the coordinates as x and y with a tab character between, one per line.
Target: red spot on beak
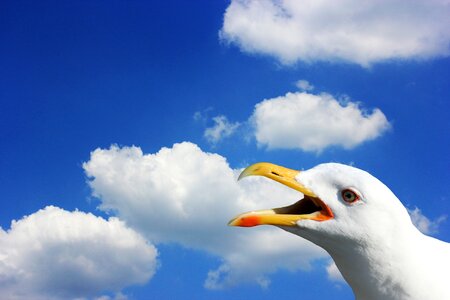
249	221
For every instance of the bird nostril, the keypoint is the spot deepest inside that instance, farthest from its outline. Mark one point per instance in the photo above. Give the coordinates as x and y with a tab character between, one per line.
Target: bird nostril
275	173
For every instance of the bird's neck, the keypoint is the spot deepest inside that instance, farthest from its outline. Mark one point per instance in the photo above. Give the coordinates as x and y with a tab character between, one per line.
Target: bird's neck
376	268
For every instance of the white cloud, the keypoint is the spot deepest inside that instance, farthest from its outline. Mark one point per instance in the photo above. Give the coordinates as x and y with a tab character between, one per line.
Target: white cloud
333	272
314	122
424	224
350	30
118	296
202	116
304	85
184	195
222	128
56	254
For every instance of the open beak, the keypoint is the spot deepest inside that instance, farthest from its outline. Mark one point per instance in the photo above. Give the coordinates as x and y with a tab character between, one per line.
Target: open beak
310	207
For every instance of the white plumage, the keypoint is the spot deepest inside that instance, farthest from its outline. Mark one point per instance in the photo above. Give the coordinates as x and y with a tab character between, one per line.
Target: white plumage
365	229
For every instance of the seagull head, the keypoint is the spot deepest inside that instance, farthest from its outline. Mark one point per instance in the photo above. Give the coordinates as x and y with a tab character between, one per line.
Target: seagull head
363	226
339	203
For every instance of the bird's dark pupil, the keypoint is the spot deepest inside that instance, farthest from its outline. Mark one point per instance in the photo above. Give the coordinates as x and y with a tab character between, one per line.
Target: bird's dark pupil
349	196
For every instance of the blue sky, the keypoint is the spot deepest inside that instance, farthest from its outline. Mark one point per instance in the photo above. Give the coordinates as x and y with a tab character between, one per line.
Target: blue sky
90	92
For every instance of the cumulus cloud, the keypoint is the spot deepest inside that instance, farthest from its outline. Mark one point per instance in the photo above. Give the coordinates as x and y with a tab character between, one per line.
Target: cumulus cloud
186	196
304	85
424	224
222	128
314	122
333	272
353	31
57	254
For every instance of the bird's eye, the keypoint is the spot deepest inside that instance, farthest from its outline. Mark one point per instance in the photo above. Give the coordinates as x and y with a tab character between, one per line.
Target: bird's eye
349	196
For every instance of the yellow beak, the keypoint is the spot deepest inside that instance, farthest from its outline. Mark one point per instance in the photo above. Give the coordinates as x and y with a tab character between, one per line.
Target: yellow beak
311	205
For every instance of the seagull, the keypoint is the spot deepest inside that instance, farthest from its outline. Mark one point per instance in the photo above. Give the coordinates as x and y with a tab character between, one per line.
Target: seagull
363	226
